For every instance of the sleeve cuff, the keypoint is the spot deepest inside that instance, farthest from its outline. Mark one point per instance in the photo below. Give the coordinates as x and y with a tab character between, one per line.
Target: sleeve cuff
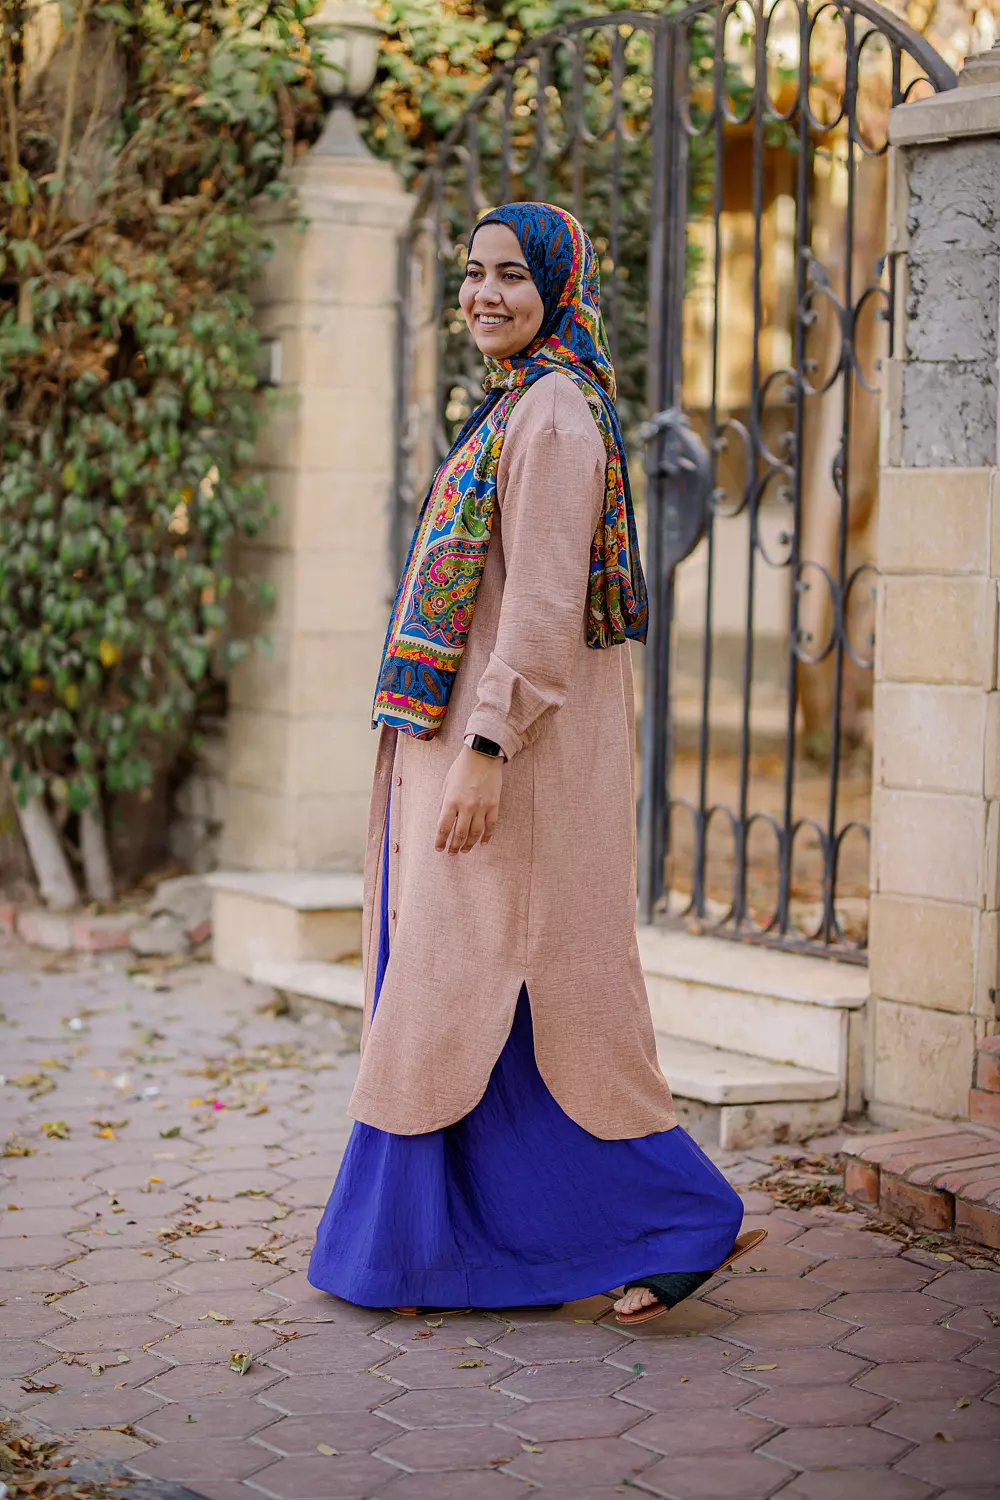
492	727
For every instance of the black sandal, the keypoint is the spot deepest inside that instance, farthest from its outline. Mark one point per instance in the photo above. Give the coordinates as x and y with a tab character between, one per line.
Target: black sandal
676	1285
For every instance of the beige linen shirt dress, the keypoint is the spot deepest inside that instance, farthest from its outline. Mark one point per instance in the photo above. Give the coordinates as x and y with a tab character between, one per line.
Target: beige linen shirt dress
550	902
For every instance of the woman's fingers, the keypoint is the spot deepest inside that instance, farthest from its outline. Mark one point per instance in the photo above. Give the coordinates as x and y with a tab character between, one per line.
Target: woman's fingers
477	828
490	826
446	824
460	832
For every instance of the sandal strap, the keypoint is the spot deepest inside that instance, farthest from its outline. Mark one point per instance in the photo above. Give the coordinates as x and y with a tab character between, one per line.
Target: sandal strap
672	1287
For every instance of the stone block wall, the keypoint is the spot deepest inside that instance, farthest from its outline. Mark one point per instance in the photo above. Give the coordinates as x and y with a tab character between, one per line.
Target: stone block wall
935	876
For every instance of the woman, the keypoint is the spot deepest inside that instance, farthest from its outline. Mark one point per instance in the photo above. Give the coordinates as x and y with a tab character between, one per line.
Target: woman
516	1141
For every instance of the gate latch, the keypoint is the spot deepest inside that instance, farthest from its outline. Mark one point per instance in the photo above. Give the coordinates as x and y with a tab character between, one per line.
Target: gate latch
676	455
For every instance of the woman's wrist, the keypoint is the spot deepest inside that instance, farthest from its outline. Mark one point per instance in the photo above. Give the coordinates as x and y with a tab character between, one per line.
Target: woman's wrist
483	746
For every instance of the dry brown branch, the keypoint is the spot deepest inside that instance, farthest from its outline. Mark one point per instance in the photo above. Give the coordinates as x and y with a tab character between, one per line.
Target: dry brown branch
65	134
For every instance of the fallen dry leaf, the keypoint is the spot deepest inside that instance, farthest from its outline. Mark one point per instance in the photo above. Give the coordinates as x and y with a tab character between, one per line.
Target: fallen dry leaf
239	1361
55	1130
532	1448
944	1437
993	1317
38	1083
326	1450
28	1384
963	1402
471	1364
758	1367
216	1317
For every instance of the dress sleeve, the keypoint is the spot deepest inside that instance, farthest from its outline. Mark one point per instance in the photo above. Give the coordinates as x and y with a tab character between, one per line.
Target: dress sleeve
549	513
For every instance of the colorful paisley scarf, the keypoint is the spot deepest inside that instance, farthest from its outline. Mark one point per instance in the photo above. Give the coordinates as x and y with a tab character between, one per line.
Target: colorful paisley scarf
436	597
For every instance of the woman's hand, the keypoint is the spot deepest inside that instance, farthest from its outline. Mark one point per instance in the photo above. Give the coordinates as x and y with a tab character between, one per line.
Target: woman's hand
470	802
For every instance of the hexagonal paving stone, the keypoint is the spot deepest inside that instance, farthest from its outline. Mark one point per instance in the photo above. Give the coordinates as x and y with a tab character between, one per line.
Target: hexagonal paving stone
890	1274
660	1390
834	1447
116	1266
454	1367
303	1396
449	1487
818	1406
204	1382
210	1342
189	1421
850	1243
586	1417
927	1381
40	1221
224	1185
859	1484
967	1288
22	1357
447	1408
46	1192
761	1294
900	1345
972	1462
887	1309
331	1351
29	1320
788	1330
974	1320
115	1299
106	1373
225	1458
188	1310
354	1432
582	1461
347	1475
922	1420
210	1276
435	1333
986	1355
92	1335
772	1259
716	1476
38	1250
553	1342
700	1432
783	1367
71	1410
458	1448
678	1356
558	1382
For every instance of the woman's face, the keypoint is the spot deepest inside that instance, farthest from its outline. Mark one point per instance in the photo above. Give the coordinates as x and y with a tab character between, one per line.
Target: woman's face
498	297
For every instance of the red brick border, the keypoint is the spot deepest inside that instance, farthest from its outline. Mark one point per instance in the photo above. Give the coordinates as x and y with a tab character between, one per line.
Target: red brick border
938	1177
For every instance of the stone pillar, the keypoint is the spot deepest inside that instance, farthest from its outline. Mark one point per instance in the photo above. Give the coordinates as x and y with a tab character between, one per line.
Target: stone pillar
301	746
936	799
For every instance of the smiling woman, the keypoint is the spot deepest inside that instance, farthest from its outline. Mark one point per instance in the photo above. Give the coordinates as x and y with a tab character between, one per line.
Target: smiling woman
516	1141
498	297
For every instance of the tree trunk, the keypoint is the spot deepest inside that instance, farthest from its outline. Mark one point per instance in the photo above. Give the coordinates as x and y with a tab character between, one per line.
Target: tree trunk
97	872
52	870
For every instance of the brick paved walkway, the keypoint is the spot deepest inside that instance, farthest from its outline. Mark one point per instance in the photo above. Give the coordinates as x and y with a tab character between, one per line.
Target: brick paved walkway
186	1128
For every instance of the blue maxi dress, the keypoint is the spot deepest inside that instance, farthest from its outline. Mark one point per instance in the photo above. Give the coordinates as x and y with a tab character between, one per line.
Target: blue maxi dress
515	1204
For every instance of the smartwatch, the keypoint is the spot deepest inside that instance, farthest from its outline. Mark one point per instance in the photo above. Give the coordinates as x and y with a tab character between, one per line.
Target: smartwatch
484	746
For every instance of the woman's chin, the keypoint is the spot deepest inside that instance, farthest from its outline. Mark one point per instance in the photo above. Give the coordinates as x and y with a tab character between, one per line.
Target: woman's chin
496	347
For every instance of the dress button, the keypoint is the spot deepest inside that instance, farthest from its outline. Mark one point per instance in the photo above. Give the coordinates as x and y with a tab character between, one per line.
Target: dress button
392	915
399	781
395	848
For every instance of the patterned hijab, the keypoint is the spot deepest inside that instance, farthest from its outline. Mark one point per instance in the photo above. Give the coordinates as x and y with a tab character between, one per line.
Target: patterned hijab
436	597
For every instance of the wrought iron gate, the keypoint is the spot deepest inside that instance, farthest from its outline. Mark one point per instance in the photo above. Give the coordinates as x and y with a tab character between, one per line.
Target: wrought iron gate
728	160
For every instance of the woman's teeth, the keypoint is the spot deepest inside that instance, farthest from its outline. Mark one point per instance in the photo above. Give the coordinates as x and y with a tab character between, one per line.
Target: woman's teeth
491	322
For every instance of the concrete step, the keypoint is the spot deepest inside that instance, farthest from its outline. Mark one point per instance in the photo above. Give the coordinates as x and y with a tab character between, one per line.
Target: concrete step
734	1099
783	1007
284	917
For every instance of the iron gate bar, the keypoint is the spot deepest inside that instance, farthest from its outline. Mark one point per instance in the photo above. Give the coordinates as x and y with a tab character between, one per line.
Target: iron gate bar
542	97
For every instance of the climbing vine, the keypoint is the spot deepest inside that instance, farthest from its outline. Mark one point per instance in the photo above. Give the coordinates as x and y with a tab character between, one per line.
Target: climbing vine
134	140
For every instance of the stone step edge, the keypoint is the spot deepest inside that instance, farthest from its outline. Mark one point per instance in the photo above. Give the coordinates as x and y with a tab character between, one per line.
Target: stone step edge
745	969
942	1177
708	1074
302	890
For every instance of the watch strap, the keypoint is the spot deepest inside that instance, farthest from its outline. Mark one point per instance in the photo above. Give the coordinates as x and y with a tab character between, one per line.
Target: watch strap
483	746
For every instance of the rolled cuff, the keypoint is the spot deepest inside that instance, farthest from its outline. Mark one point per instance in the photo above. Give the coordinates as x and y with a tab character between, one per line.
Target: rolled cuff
492	726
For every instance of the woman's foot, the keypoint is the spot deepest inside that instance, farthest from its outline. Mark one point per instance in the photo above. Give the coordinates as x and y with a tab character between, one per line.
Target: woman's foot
635	1300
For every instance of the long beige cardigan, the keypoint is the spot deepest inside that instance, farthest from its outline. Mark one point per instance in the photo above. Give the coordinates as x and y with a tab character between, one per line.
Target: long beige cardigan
550	903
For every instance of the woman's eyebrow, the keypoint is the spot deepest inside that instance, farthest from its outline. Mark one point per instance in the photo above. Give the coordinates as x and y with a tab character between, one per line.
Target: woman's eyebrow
502	265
